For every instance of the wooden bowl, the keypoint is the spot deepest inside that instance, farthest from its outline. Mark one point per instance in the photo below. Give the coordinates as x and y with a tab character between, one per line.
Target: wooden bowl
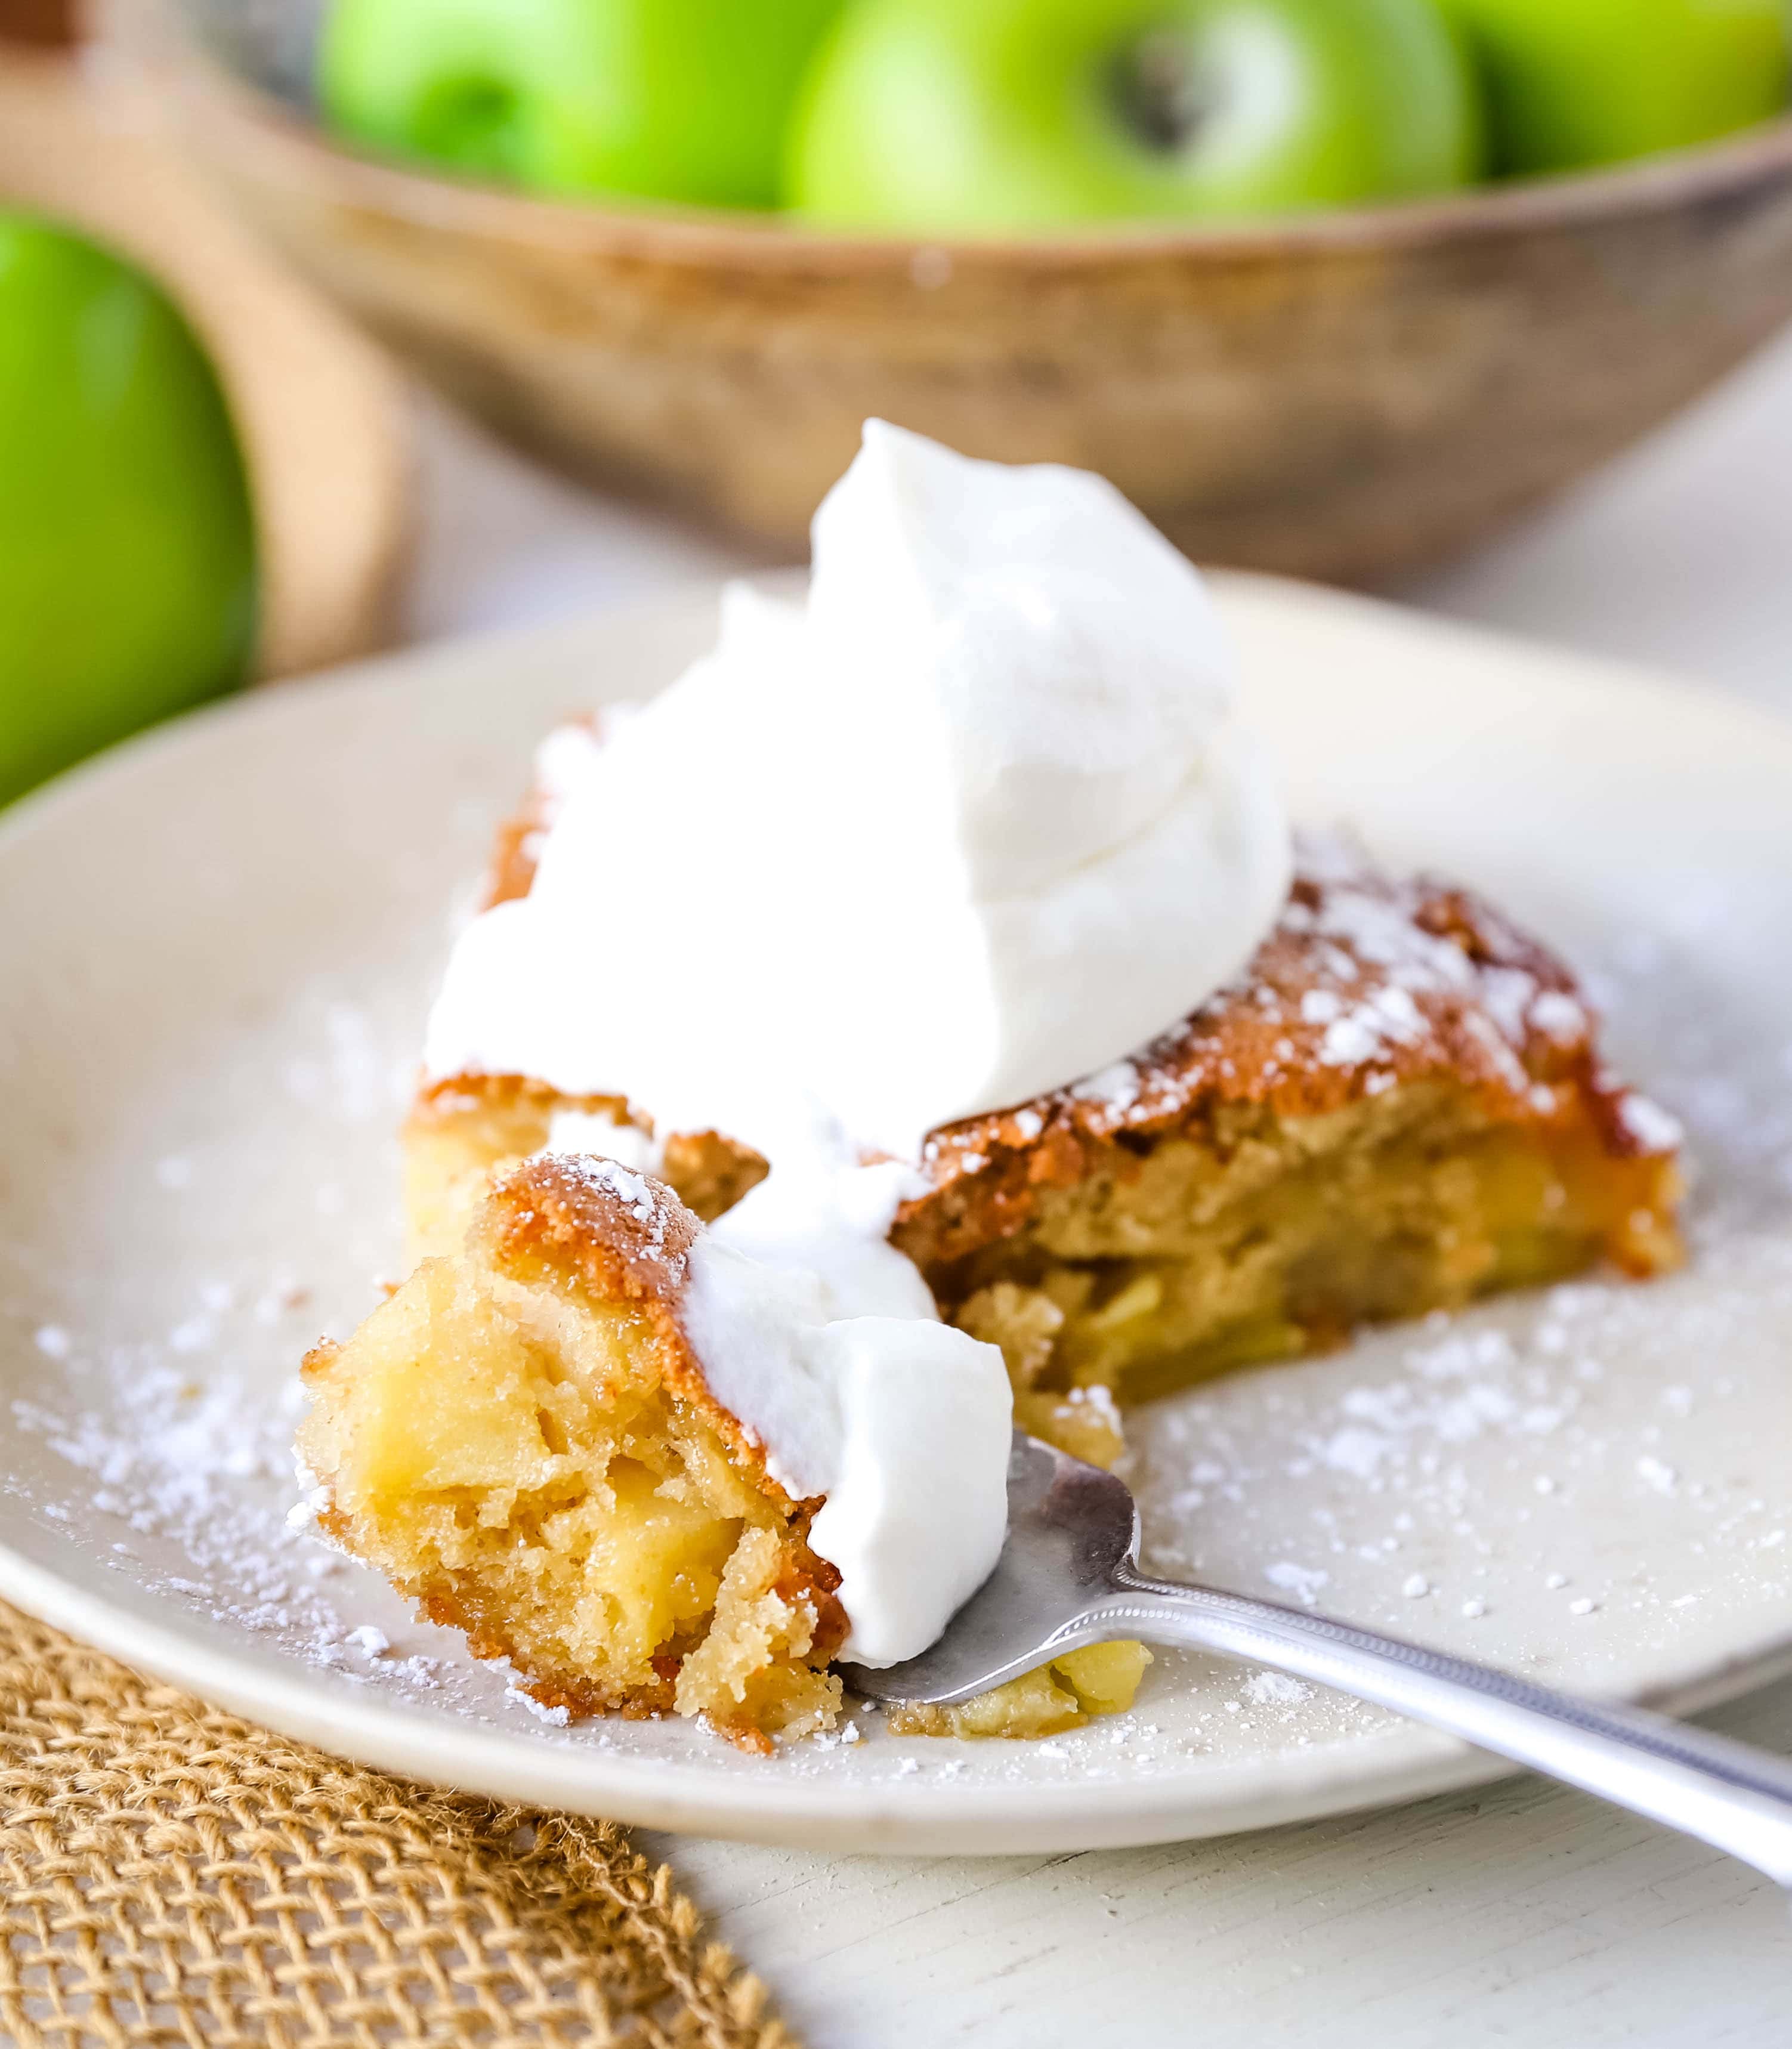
1341	395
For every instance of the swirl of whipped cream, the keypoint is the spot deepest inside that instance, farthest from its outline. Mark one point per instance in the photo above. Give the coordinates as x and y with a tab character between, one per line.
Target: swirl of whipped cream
976	821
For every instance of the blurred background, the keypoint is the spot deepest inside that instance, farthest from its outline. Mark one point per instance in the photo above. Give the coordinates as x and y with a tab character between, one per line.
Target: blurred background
327	324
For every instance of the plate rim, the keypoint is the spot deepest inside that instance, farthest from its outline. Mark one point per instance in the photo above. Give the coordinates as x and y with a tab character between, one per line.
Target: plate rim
1271	1790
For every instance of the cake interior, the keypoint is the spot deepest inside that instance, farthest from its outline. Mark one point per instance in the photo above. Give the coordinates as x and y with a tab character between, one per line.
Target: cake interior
519	1440
1259	1237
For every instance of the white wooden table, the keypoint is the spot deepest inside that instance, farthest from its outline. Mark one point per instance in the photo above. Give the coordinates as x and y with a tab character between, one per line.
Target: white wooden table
1515	1914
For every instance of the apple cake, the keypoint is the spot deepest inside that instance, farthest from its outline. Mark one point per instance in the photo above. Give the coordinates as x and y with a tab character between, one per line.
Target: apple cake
1399	1107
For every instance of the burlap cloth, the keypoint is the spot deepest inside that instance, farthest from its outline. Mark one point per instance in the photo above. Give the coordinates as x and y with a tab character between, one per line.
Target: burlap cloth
169	1875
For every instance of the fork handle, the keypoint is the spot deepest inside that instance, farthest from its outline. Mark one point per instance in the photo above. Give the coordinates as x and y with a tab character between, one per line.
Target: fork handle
1728	1794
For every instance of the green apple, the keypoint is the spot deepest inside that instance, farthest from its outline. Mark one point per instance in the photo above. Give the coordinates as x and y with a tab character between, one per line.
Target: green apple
673	100
938	115
1571	83
127	543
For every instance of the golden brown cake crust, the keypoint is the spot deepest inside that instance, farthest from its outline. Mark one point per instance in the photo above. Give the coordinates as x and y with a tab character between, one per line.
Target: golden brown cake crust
512	872
1366	983
621	1233
709	1172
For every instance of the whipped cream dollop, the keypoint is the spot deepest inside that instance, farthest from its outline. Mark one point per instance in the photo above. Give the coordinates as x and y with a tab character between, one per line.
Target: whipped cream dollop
975	820
902	1422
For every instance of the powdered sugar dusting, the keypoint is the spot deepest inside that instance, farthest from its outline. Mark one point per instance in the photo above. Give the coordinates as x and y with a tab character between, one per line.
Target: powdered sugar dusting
664	1229
1365	979
200	1471
1558	1015
1275	1689
1115	1088
634	1190
1650	1125
1306	1583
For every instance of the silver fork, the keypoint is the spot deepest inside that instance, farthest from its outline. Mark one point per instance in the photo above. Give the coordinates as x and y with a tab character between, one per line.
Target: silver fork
1069	1576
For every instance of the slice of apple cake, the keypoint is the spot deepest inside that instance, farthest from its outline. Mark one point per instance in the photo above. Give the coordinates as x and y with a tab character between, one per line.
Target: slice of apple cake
522	1441
1399	1108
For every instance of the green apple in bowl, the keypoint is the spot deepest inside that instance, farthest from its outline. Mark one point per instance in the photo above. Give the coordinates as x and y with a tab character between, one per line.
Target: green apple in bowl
940	116
1570	84
686	100
128	542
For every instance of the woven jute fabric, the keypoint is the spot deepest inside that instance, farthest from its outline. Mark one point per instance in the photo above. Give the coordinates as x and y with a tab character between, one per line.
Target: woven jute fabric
172	1875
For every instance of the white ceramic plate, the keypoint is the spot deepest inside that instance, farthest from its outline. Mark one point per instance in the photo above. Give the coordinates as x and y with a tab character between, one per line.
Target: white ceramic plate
219	945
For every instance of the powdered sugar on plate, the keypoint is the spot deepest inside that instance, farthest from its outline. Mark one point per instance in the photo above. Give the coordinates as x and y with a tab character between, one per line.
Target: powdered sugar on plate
200	1470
